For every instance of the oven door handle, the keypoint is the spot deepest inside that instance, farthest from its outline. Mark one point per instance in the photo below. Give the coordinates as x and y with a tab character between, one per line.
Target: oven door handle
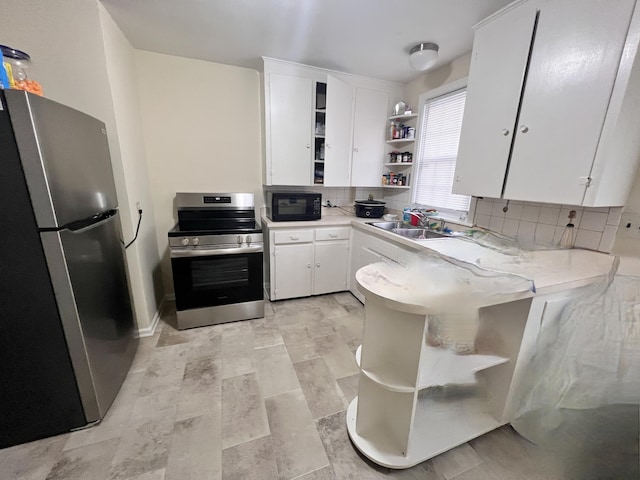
207	252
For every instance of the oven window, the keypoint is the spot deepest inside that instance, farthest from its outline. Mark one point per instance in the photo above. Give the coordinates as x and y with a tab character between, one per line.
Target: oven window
214	280
220	273
292	206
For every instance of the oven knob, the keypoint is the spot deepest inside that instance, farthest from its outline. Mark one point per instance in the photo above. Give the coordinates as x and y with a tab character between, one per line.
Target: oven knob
248	239
185	241
239	240
196	241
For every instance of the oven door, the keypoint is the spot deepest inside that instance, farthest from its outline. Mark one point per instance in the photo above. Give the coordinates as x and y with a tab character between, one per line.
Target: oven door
212	277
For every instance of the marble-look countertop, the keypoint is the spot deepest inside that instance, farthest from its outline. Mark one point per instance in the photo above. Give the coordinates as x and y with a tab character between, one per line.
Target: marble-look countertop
551	270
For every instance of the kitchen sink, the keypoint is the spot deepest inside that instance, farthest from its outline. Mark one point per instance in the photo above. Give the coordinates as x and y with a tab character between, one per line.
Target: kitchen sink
407	230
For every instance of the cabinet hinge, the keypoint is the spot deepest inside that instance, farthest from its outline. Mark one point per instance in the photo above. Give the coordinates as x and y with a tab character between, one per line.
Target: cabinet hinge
586	181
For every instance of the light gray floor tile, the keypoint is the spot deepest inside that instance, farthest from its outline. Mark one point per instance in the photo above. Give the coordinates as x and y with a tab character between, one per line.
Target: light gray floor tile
235	328
301	351
237	354
33	460
90	461
201	392
346	298
325	473
143	448
339	358
243	411
166	369
161	404
456	461
266	332
294	334
117	418
196	449
297	446
275	370
146	347
320	389
155	475
205	344
252	460
171	336
349	386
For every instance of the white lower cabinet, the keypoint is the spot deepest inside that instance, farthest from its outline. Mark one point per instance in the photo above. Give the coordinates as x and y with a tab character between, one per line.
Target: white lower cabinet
308	262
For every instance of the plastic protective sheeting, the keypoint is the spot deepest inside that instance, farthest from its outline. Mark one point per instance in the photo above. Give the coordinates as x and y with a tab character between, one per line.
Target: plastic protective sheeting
453	292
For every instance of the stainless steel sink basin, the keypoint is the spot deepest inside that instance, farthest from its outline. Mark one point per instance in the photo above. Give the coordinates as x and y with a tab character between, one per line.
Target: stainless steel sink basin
391	225
407	230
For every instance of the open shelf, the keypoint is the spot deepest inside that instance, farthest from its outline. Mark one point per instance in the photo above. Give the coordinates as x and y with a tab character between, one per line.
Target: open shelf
385	376
407	116
441	366
398	164
401	140
396	186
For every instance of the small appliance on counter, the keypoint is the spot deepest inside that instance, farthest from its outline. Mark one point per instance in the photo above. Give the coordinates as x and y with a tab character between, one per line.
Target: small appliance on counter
294	206
369	208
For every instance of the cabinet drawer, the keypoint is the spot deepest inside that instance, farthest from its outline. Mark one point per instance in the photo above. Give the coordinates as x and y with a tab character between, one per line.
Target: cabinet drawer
292	236
341	233
383	248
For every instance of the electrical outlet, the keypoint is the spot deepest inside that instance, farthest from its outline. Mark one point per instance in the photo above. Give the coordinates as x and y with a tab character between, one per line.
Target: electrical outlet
630	225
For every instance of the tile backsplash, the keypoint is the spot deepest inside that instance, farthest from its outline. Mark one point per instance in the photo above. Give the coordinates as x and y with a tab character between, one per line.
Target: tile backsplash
595	228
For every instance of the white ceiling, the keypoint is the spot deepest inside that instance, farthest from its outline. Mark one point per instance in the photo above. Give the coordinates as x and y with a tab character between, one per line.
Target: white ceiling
364	37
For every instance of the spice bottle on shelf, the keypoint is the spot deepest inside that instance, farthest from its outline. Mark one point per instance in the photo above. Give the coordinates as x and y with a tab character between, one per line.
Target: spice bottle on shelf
392	130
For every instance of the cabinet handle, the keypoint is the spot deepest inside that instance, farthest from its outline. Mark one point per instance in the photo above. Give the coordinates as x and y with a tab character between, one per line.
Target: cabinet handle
328	146
355	149
333	235
318	265
505	132
308	265
524	128
308	145
294	237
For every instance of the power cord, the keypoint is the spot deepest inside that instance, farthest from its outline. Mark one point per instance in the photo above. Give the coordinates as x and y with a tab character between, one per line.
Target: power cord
137	229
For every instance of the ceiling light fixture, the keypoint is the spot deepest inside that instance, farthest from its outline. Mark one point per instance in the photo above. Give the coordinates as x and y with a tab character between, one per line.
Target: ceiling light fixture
423	56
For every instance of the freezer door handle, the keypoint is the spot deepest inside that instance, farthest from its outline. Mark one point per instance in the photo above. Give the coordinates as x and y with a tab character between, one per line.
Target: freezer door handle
90	223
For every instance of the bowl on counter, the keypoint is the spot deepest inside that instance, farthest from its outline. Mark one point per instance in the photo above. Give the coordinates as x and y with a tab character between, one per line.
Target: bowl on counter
390	217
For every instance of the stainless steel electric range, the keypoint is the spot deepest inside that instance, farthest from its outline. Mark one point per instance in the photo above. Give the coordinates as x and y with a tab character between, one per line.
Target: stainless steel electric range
216	257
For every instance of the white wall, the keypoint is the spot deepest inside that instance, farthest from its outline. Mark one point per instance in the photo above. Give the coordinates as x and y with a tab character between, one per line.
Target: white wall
142	255
201	123
66	45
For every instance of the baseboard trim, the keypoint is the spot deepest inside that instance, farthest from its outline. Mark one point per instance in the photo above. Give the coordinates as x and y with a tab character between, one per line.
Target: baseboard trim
151	329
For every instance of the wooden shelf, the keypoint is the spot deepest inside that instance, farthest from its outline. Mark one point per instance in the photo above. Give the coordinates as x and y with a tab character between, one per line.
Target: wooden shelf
407	116
401	140
398	164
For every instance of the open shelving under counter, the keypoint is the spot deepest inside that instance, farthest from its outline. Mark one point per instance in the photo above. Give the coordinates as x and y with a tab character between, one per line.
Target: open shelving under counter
416	400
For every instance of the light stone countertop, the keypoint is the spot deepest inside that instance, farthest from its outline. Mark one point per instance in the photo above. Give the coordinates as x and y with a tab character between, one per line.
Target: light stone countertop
551	270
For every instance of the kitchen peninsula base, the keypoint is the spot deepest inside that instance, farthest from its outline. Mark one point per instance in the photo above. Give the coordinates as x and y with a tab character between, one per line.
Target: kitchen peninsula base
416	401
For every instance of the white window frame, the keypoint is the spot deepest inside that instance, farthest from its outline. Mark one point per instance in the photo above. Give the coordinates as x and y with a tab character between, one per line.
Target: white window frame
451	216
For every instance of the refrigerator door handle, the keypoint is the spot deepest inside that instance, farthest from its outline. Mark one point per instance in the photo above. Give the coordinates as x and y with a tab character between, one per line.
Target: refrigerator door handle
94	222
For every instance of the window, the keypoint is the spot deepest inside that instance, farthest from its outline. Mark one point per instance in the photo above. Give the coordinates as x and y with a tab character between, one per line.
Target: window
441	113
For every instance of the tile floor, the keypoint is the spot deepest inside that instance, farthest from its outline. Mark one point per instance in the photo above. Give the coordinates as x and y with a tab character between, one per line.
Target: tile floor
260	399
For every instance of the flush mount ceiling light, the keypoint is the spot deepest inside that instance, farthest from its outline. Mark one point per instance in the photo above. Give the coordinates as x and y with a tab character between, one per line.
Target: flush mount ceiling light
423	56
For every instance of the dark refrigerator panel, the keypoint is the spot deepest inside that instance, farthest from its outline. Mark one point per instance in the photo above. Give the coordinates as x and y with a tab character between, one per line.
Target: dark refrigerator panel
65	156
38	393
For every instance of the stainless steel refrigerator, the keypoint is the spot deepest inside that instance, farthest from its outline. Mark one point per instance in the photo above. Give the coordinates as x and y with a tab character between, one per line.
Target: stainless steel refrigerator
66	325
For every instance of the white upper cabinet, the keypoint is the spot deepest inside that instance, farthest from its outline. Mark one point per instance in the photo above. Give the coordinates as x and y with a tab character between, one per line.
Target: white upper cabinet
337	154
550	99
369	125
289	129
496	75
339	143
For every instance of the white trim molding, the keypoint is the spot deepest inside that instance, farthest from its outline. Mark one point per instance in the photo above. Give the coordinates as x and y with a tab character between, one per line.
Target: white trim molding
151	329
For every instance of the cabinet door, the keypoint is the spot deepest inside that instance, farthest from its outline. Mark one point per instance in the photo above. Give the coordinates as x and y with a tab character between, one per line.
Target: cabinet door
572	70
496	76
331	262
369	125
293	266
289	129
337	154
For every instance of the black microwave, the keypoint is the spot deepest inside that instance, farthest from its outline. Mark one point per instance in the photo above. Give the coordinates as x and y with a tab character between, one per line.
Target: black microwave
294	206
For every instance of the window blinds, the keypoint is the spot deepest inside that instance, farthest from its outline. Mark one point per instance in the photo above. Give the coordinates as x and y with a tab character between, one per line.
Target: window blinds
439	139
